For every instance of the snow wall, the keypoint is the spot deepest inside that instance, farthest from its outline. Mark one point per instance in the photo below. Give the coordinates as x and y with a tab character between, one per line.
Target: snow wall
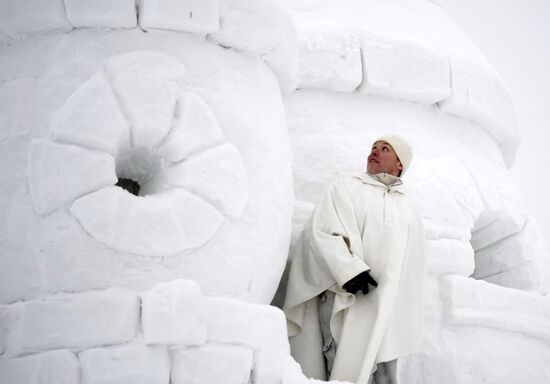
195	101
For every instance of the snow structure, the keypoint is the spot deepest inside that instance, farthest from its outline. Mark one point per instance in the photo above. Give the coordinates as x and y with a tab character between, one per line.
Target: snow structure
195	100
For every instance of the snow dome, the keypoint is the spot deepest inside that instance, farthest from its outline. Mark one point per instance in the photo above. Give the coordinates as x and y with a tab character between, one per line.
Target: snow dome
199	127
160	157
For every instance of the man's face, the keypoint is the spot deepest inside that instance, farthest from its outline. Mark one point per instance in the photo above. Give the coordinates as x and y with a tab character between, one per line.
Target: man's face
383	159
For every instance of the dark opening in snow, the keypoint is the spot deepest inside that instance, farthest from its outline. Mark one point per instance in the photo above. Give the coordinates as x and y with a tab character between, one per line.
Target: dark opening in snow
129	185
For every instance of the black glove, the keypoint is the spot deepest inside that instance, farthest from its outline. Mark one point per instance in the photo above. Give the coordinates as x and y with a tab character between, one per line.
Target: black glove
360	283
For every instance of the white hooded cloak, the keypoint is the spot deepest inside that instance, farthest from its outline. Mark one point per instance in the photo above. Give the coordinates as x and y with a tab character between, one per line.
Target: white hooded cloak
360	224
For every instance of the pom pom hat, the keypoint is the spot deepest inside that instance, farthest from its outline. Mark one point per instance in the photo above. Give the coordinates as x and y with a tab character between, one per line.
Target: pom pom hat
402	149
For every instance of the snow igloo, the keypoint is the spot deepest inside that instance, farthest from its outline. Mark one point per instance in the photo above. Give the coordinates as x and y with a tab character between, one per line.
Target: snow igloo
160	158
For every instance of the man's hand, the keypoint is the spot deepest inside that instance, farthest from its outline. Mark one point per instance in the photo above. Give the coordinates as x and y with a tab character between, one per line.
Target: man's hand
360	283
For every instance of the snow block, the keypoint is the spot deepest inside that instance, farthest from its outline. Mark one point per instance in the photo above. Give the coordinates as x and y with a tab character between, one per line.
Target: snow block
527	277
147	85
21	18
479	94
220	364
58	173
14	98
196	129
216	175
261	27
20	275
447	197
200	16
507	254
172	313
149	103
449	256
404	70
59	367
101	13
469	302
519	261
82	320
128	364
501	199
260	327
154	225
329	60
6	317
251	25
91	117
507	223
284	62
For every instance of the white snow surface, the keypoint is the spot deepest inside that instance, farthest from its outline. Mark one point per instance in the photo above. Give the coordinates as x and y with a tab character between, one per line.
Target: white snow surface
91	117
101	13
170	311
195	129
204	130
59	174
261	328
217	175
60	366
481	95
274	35
21	18
240	166
330	60
412	50
402	69
223	364
460	183
127	364
73	321
176	220
199	16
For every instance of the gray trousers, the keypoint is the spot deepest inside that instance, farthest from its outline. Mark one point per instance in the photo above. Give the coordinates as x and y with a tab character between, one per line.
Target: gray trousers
386	373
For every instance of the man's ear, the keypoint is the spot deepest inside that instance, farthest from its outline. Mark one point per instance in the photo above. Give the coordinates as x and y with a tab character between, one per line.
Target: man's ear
399	165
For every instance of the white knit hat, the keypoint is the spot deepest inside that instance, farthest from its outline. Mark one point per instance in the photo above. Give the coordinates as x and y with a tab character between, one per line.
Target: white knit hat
402	149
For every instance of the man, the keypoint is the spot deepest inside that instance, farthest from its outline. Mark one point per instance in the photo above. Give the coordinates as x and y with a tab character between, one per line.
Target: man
355	290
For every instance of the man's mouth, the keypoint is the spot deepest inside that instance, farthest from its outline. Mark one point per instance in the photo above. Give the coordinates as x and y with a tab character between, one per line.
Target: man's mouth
373	161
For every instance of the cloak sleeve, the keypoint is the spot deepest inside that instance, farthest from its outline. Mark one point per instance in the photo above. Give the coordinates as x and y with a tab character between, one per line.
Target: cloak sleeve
335	236
328	252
